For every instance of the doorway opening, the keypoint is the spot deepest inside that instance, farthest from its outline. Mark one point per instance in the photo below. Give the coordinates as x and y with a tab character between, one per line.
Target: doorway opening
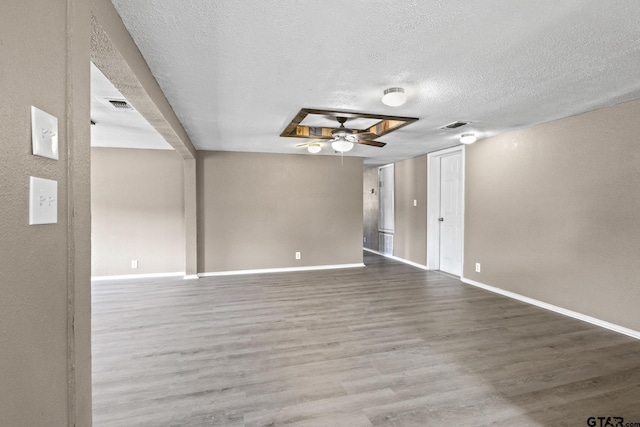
386	209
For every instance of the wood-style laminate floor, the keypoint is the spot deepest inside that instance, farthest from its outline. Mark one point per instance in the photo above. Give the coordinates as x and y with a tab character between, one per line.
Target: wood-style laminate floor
385	345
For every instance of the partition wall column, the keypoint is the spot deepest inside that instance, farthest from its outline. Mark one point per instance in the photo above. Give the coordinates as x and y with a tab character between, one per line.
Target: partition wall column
190	219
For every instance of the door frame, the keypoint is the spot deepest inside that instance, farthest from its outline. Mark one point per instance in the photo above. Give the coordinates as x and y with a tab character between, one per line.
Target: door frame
433	204
393	200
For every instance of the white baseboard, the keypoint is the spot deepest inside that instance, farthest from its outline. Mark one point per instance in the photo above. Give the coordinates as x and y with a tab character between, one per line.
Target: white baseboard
280	270
137	276
560	310
414	264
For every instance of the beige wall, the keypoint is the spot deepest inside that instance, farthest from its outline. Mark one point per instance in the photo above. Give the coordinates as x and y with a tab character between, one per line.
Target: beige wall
257	210
370	203
410	236
552	213
44	357
137	199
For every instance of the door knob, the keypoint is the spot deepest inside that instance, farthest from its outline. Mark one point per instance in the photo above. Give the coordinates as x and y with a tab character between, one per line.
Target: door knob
441	219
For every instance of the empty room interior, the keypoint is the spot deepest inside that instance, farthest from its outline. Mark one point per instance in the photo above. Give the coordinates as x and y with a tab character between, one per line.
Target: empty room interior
388	213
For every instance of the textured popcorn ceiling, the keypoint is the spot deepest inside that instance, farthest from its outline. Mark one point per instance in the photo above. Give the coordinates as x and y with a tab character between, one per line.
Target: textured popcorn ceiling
236	72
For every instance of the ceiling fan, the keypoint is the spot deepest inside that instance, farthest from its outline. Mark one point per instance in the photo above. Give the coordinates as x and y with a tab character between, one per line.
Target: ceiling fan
344	138
313	125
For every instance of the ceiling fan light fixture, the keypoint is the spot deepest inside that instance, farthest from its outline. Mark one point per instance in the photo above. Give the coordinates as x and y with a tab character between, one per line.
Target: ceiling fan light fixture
394	97
341	144
468	138
314	148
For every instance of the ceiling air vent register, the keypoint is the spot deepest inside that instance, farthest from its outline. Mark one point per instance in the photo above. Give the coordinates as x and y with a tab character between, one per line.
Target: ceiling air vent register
454	125
120	104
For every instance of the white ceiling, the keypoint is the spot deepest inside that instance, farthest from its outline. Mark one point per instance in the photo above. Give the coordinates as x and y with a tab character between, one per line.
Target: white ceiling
118	128
237	72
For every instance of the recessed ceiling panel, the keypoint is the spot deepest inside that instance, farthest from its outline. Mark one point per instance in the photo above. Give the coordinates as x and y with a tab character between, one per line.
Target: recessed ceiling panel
379	124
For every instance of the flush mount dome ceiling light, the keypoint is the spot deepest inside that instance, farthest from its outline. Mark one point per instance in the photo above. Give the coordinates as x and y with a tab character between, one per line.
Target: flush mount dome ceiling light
394	97
468	138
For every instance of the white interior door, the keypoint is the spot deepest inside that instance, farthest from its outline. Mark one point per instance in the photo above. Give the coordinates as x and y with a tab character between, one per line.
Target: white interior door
451	214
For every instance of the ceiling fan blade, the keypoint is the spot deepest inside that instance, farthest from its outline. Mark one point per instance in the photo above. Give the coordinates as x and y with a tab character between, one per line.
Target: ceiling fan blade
372	143
366	135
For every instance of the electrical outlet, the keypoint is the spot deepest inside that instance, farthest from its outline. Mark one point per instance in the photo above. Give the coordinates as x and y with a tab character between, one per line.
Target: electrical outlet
365	239
477	267
297	255
415	202
134	263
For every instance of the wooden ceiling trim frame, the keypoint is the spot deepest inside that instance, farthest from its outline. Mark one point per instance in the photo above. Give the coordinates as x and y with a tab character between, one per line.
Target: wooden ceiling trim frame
292	128
385	125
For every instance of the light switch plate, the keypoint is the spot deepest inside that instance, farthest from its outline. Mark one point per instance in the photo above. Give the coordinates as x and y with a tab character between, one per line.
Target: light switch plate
44	134
43	201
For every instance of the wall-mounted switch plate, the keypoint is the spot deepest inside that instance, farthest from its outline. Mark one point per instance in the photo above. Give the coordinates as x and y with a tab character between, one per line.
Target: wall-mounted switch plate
44	134
43	201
